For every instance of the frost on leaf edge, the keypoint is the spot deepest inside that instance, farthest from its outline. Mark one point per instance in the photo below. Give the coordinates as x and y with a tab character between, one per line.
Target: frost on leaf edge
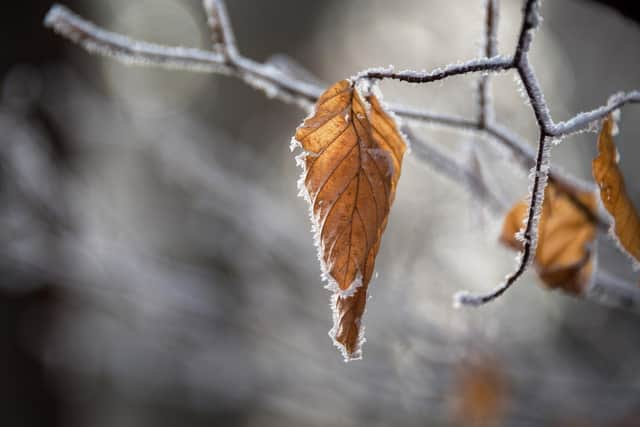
362	90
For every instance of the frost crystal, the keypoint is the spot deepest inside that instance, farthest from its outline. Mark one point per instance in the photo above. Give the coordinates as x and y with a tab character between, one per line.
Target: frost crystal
541	177
128	51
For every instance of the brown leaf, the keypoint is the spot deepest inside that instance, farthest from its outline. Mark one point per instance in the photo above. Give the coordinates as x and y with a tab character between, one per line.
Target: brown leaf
480	393
565	233
352	158
626	223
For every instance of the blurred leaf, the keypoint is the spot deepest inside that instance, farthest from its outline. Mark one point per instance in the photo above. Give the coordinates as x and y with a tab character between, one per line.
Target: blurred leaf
352	158
626	223
480	393
565	232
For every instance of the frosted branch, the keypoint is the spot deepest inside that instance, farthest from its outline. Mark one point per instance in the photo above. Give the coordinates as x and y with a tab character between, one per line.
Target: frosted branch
487	65
536	97
606	288
529	236
584	120
132	52
485	112
279	84
222	34
531	20
540	172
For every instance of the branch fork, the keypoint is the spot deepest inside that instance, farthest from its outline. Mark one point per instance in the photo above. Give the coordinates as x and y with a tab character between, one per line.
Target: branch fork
225	58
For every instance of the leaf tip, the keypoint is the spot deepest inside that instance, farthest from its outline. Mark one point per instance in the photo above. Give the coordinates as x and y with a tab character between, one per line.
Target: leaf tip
349	346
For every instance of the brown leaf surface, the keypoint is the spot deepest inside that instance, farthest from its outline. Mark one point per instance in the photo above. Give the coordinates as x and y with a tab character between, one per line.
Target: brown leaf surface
565	232
626	223
352	159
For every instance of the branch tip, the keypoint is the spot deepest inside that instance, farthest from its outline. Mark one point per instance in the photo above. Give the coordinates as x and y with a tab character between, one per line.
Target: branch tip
54	13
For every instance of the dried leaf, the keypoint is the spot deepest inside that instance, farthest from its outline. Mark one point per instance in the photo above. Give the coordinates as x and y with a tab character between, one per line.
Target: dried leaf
626	222
480	394
351	164
564	257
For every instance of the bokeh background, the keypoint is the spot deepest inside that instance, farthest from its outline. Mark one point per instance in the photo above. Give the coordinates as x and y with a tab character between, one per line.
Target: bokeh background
157	268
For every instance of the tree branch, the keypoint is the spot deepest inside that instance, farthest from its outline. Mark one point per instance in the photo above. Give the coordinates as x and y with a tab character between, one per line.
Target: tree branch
584	120
540	171
531	20
529	237
228	61
97	40
606	288
485	112
132	52
222	35
490	65
539	176
536	98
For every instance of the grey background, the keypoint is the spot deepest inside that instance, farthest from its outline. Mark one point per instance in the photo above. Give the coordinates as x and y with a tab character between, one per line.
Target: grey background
158	268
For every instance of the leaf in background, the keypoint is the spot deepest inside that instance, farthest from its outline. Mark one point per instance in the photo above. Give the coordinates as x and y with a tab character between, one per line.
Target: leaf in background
565	233
626	223
480	393
352	158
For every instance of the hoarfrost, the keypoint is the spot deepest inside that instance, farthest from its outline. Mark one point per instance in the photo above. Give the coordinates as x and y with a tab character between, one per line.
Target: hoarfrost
536	96
353	287
539	177
294	144
591	119
522	91
129	51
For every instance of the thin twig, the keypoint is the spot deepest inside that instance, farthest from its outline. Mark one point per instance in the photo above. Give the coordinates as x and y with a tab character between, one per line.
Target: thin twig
584	120
534	92
221	30
530	21
485	110
540	171
528	237
132	52
213	20
97	40
487	65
